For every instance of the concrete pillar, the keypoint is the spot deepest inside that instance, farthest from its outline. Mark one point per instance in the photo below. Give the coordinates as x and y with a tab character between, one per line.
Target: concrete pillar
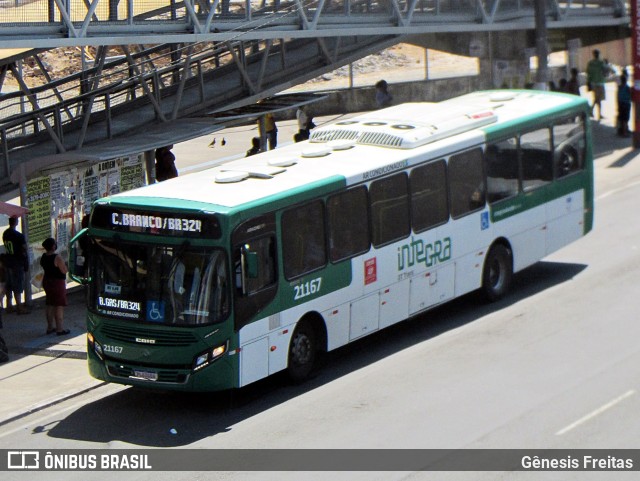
501	59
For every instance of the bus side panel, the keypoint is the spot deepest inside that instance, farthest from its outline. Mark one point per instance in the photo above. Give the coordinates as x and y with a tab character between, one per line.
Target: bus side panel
279	349
365	316
431	288
394	303
337	322
264	355
470	237
565	220
254	361
522	221
529	246
254	351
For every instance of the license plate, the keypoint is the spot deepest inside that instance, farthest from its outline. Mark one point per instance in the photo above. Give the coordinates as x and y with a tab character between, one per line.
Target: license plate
148	375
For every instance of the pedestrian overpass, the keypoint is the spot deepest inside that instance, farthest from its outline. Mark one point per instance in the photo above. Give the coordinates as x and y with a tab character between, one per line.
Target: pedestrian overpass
165	70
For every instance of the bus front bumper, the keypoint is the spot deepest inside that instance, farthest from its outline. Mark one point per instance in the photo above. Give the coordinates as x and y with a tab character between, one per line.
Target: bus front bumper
216	377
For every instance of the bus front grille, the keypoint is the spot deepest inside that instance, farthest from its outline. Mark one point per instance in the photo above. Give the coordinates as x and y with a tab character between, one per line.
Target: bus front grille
154	337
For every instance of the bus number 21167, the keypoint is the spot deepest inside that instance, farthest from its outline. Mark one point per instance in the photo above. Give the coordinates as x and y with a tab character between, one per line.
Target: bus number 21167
307	288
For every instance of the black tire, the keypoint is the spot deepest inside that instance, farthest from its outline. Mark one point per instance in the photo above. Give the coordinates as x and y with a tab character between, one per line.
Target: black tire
497	273
303	352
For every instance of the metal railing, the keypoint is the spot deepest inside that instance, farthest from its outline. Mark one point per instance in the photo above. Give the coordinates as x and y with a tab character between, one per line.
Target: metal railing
54	23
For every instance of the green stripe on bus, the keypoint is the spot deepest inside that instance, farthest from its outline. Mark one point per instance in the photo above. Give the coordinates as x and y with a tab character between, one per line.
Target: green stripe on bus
528	200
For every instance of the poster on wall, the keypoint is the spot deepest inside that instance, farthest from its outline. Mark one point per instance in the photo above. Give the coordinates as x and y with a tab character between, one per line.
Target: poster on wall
38	202
58	202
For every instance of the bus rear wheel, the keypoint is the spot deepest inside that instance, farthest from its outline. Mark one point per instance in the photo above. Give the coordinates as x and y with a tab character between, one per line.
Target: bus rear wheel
303	352
497	273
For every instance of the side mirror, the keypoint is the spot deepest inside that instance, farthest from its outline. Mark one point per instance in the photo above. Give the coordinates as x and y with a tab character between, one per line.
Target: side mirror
78	258
251	259
248	267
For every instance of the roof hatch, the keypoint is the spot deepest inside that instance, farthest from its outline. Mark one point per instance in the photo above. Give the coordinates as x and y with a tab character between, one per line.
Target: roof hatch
451	120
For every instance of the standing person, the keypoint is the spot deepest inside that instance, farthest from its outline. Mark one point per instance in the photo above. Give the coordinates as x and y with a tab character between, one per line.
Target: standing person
16	264
270	130
596	74
383	97
573	84
3	279
255	147
55	287
302	117
165	164
303	124
624	107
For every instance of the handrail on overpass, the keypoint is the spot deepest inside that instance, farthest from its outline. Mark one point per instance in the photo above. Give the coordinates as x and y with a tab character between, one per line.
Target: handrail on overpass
54	23
196	57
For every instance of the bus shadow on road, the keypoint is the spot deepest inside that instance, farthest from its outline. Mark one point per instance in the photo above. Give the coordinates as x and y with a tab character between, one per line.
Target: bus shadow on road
167	419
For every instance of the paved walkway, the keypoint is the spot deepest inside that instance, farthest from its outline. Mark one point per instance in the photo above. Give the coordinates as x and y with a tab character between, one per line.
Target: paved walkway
43	368
46	369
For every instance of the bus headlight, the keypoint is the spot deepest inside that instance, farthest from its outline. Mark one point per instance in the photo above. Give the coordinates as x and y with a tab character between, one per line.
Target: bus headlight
95	345
204	359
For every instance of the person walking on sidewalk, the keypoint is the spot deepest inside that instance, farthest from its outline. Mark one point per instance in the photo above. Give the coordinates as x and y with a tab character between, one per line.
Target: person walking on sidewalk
16	264
596	77
55	287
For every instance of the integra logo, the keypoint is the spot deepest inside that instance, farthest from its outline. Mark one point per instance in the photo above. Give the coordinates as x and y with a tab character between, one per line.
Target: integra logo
419	252
142	340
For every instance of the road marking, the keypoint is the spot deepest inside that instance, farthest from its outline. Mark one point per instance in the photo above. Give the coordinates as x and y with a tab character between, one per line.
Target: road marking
595	413
615	191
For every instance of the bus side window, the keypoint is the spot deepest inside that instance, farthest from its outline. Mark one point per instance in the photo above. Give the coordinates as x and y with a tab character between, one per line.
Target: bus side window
466	183
348	224
429	206
303	239
569	147
537	166
502	168
389	198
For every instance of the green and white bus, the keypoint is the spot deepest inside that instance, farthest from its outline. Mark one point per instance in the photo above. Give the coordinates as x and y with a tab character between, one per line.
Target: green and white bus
218	279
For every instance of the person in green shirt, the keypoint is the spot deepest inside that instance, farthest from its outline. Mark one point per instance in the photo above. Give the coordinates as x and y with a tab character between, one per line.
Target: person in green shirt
596	75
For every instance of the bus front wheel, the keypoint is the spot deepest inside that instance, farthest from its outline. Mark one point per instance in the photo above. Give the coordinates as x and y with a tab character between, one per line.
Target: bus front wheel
497	273
303	352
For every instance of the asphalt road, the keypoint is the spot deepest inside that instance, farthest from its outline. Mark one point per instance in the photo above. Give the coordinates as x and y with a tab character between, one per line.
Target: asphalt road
554	365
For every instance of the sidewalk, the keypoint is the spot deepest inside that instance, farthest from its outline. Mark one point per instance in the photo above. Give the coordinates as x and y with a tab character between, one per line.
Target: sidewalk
43	369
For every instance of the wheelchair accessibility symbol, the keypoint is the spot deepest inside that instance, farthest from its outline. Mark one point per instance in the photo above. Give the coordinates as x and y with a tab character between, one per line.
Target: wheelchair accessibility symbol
155	311
484	221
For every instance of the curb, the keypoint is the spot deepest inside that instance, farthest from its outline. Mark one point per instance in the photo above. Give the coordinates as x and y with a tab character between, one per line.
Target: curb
48	404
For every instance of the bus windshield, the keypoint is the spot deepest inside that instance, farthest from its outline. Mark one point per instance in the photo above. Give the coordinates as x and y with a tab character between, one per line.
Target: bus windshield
176	285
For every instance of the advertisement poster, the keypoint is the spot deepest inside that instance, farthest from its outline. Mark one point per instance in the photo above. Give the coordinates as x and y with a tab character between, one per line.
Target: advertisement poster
39	202
58	201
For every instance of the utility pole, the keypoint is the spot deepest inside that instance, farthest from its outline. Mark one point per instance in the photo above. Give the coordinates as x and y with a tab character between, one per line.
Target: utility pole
542	74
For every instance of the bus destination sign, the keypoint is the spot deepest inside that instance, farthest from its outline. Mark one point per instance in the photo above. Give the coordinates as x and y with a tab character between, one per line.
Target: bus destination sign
159	223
